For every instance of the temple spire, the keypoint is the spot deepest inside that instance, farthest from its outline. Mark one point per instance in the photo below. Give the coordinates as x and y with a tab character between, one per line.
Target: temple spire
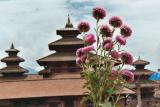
12	46
69	24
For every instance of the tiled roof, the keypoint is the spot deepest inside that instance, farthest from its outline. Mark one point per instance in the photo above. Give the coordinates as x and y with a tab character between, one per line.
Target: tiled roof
68	41
13	59
141	62
61	85
58	57
41	88
12	69
142	72
68	31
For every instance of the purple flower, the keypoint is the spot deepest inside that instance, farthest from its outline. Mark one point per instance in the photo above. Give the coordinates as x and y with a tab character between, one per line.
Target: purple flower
87	49
83	27
79	52
107	40
115	21
126	58
105	31
121	40
89	38
81	59
107	44
115	54
98	13
126	31
113	74
78	61
128	75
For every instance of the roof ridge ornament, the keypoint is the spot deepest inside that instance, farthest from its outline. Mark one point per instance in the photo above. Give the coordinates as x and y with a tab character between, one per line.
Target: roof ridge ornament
69	24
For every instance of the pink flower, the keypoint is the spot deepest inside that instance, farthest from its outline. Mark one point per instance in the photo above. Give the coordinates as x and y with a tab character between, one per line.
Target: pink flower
121	40
89	38
113	74
105	31
128	75
115	54
126	31
83	27
87	49
78	61
98	13
79	52
107	40
81	59
107	44
126	58
115	21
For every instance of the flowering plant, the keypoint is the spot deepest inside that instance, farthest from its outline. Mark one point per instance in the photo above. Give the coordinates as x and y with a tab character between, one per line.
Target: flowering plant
103	67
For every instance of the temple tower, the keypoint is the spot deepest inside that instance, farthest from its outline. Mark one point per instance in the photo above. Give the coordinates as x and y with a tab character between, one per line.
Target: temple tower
63	60
141	73
144	86
12	63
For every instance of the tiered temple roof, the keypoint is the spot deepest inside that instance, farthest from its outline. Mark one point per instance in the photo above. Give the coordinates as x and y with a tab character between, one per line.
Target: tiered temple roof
12	61
140	64
65	51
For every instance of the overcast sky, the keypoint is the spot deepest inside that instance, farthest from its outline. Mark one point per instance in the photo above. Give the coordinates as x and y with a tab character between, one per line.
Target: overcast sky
31	25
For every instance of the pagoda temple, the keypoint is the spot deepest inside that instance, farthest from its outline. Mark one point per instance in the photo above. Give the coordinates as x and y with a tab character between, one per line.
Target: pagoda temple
12	61
145	87
64	58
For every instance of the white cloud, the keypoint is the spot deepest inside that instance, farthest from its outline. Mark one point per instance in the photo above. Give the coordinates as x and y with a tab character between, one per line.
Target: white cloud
31	25
143	17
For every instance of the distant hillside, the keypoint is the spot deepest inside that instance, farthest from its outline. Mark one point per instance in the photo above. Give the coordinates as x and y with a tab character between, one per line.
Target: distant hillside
32	71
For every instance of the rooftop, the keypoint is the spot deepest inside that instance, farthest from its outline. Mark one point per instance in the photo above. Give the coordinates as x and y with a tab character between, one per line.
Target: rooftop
60	85
139	61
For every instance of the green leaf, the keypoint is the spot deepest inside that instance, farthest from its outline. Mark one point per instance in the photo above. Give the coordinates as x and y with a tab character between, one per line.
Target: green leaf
106	104
110	90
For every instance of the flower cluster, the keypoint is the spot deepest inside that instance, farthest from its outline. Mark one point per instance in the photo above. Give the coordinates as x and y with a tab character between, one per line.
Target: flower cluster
115	21
107	43
98	66
128	76
83	27
126	31
121	40
82	54
105	31
98	13
89	38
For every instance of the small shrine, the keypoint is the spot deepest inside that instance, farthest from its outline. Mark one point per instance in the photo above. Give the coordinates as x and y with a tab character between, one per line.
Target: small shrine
144	87
12	63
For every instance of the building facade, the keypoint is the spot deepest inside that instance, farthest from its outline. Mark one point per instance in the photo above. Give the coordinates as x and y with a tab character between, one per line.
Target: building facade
147	90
